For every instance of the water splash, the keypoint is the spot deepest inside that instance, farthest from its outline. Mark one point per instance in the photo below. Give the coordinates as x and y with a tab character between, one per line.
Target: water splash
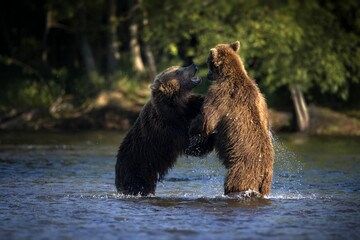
293	196
194	178
288	173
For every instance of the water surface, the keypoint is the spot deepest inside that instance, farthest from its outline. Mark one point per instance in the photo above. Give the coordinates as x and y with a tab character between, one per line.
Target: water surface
61	186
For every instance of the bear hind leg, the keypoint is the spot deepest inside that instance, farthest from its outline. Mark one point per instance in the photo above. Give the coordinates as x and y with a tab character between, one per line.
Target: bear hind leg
265	186
135	185
240	182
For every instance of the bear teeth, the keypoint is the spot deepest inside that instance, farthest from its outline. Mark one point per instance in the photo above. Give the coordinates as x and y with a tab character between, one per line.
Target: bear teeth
195	79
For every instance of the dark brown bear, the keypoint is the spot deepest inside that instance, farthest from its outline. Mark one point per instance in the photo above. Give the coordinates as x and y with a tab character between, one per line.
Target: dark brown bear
236	111
160	133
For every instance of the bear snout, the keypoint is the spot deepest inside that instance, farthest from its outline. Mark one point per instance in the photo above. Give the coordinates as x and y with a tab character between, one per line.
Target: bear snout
193	68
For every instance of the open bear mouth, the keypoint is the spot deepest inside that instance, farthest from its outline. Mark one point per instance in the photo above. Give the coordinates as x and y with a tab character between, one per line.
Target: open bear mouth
196	80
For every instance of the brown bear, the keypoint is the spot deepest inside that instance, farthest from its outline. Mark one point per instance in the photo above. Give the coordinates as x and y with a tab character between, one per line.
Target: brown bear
236	111
160	133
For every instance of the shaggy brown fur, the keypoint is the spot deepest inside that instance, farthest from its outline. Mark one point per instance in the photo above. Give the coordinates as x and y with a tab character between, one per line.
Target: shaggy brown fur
160	133
236	111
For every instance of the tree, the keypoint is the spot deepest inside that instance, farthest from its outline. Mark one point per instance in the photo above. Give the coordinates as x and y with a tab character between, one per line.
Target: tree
135	48
301	49
86	50
148	51
310	48
112	53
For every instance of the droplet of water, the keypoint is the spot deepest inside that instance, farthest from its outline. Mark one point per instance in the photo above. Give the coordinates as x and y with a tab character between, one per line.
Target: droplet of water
288	172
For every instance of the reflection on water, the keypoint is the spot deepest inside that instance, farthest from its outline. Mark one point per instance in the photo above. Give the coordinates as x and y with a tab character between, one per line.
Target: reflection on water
60	185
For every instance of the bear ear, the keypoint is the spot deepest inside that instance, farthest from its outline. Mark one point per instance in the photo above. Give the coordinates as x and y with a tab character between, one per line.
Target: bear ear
167	88
235	46
213	54
156	86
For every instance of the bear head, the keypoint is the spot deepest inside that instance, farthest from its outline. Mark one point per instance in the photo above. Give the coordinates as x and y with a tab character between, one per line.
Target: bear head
223	60
175	81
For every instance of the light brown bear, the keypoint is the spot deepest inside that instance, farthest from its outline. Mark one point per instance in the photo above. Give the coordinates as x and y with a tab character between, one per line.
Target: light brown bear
236	111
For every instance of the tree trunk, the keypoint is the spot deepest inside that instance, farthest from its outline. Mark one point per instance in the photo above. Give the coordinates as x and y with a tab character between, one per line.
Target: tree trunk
301	111
134	37
48	25
112	53
85	48
135	48
88	57
148	53
151	62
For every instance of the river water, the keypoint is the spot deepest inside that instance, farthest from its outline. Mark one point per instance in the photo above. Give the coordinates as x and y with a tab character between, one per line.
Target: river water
61	186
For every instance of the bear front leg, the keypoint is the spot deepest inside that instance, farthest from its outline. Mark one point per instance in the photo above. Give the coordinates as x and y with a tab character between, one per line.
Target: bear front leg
199	146
196	126
194	105
211	117
202	131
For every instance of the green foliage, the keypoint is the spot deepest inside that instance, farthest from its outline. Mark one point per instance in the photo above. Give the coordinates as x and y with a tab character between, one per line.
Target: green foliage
312	44
299	43
25	92
283	43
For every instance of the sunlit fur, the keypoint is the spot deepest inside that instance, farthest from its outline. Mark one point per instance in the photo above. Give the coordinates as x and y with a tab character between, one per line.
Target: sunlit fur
236	111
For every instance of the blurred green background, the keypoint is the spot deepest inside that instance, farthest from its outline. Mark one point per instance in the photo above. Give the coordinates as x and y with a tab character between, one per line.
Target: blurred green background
51	50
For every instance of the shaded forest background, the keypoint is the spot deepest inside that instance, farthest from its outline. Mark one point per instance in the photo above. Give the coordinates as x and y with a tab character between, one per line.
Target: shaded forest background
299	52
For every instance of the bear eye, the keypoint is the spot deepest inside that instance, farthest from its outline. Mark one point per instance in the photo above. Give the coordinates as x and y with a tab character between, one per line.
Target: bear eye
177	73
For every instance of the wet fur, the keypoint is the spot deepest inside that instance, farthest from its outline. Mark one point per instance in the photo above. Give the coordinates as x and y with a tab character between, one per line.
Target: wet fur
159	135
236	111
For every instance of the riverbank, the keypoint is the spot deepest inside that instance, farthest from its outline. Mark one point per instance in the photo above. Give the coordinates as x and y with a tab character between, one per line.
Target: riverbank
323	121
109	110
116	110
